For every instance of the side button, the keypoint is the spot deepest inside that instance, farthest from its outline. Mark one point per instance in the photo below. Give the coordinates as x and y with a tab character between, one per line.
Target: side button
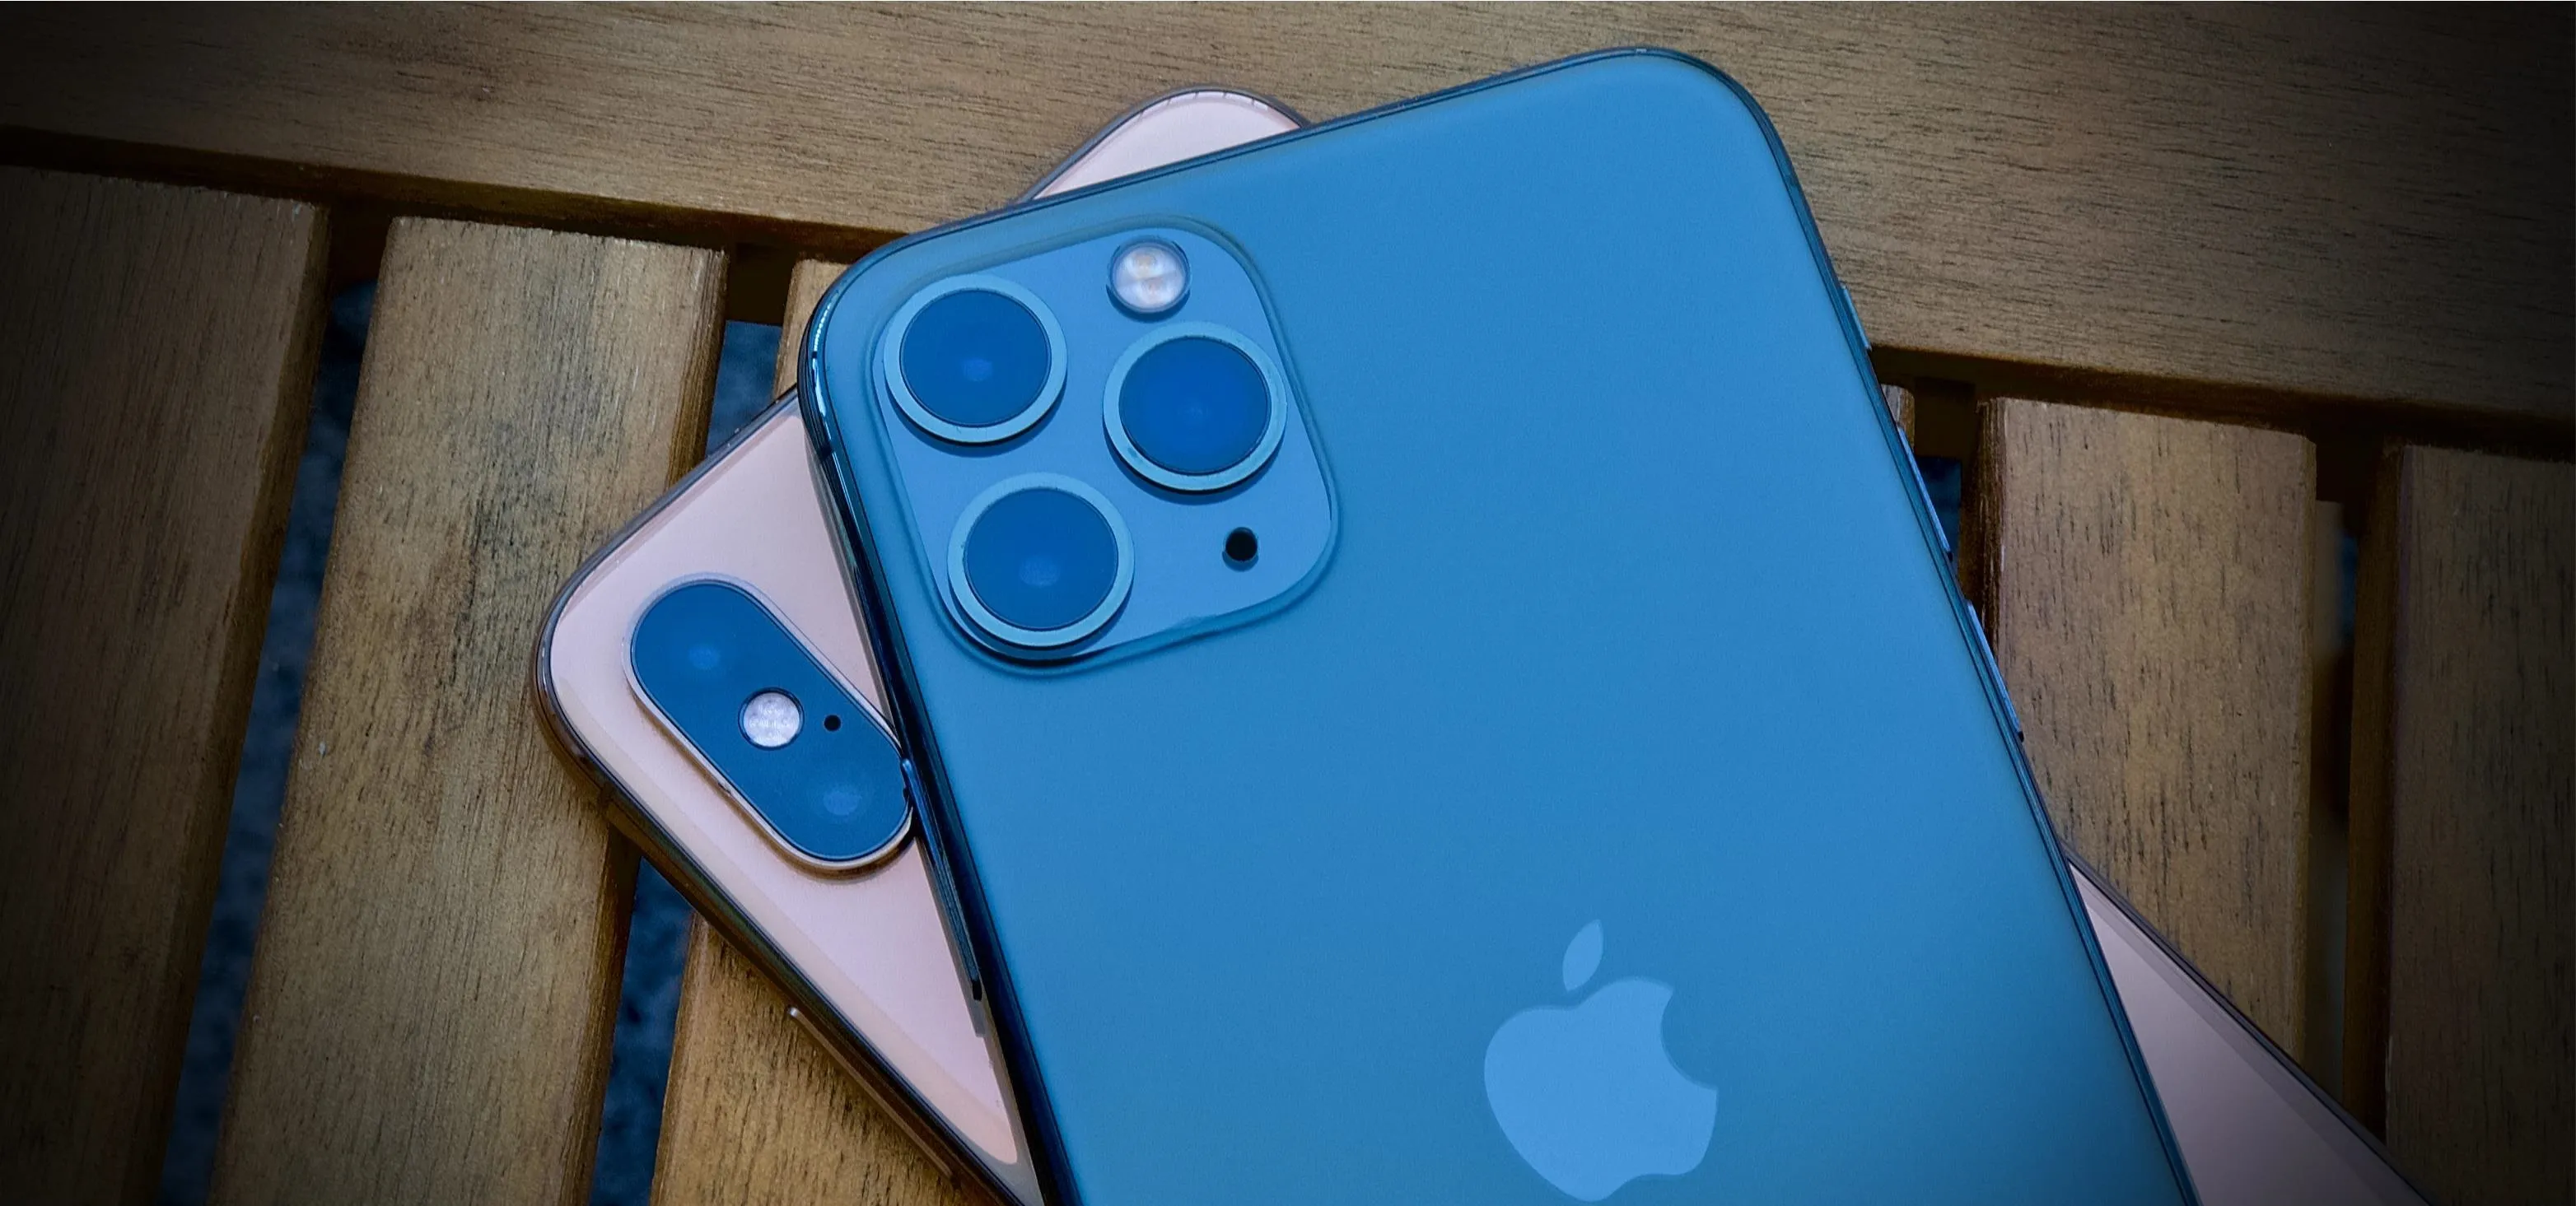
1854	311
945	890
1925	490
1987	651
818	429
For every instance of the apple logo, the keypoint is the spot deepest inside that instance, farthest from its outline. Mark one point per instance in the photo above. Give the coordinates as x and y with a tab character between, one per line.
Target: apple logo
1588	1095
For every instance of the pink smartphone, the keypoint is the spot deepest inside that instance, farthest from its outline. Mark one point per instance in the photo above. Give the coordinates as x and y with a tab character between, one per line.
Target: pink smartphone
2253	1128
856	940
866	950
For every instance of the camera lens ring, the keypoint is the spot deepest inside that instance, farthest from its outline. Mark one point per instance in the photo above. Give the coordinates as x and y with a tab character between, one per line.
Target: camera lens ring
890	362
1144	466
961	586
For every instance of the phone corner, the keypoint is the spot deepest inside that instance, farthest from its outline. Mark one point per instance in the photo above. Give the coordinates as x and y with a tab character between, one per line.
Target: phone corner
1690	69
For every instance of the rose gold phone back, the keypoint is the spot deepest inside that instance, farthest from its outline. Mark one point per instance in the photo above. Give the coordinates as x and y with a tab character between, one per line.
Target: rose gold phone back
872	942
2252	1130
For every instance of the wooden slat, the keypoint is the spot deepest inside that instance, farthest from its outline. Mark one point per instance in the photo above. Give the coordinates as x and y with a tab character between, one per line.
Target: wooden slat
2465	738
2146	582
436	978
2329	831
2366	203
805	286
1900	406
156	360
755	1110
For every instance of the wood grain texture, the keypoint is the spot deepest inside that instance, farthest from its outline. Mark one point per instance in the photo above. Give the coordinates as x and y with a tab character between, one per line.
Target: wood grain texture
805	286
756	1111
2475	772
2145	583
156	358
437	972
1900	406
2372	204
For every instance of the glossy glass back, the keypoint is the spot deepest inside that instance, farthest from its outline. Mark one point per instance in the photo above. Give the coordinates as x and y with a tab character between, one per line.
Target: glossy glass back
1620	809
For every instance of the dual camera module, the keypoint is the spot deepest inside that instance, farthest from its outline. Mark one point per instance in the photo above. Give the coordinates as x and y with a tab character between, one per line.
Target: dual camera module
812	762
1192	409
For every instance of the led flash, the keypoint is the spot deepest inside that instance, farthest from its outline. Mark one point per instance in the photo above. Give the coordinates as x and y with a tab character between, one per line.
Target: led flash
1149	277
771	719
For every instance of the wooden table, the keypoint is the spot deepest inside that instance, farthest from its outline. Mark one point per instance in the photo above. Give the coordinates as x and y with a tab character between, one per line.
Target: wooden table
2194	295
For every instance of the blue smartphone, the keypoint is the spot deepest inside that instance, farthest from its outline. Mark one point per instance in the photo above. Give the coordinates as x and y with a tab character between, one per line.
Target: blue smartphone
1430	678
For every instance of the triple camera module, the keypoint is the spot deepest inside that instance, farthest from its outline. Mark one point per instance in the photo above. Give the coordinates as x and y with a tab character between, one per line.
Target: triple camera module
1107	447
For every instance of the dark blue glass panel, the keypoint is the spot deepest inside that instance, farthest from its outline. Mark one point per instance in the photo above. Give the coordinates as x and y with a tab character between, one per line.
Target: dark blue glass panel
835	791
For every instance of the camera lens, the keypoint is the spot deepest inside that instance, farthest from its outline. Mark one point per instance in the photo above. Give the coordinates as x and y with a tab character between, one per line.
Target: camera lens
975	360
1194	408
842	801
1040	561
